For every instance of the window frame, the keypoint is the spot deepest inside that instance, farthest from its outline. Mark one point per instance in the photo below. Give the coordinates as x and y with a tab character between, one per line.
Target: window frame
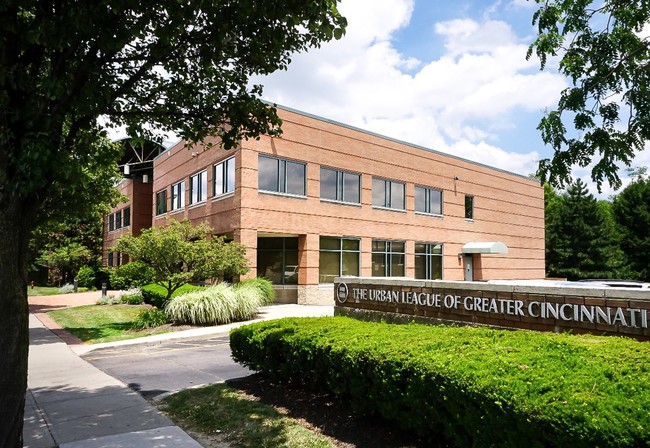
388	254
469	207
340	251
161	194
428	255
177	197
340	194
223	167
198	185
427	200
388	194
126	217
283	177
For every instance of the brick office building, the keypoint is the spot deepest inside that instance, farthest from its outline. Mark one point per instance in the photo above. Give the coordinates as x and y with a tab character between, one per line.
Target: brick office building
326	199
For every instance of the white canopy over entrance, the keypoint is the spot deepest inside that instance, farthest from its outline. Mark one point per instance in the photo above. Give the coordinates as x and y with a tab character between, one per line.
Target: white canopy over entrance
492	247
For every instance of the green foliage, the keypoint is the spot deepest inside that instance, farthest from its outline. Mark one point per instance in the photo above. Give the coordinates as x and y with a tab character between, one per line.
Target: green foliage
632	212
66	289
241	420
581	237
215	305
153	297
109	300
179	253
470	386
258	285
605	55
173	66
131	275
86	276
134	298
149	318
69	258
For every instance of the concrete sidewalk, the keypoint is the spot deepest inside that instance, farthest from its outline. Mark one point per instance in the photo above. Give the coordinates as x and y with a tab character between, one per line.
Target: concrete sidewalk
72	404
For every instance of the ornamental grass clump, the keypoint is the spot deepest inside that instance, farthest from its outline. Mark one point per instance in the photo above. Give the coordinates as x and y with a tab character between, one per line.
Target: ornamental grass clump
215	305
264	287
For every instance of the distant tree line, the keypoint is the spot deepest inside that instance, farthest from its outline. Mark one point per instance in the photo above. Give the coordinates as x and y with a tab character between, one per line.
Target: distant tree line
590	238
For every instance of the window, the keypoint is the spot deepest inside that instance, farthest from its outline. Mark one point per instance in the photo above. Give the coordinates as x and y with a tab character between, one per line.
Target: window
224	177
178	196
469	207
126	217
277	260
118	220
110	259
428	200
198	187
338	256
340	186
281	176
111	222
161	202
428	261
388	258
388	194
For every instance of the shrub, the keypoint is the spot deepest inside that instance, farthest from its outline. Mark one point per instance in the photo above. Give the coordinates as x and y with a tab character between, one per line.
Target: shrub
132	297
109	300
265	287
86	277
470	386
149	318
131	275
66	289
214	305
152	297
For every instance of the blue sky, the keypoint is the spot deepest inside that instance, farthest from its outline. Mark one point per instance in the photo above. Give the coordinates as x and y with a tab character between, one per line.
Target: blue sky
451	76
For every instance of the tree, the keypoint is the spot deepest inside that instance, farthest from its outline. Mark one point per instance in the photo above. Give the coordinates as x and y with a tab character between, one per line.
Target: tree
632	212
149	66
67	259
579	243
606	57
179	253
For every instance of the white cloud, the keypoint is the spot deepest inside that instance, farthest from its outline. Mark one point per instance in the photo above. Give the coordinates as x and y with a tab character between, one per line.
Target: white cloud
456	103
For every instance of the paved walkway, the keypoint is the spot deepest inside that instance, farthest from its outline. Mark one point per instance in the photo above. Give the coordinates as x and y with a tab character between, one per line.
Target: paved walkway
72	404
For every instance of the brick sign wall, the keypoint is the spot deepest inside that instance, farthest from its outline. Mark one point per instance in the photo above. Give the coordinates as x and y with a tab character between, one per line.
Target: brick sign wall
579	310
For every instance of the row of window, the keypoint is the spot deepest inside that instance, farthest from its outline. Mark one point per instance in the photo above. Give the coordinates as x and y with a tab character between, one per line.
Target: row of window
289	177
277	259
223	182
119	219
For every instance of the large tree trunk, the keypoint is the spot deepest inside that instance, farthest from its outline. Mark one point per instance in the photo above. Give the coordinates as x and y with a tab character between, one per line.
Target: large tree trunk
15	225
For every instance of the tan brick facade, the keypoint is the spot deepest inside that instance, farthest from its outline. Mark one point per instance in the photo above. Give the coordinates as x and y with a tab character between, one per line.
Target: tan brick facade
507	208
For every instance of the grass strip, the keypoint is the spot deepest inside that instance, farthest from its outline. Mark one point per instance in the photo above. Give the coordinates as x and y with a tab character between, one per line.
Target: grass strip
219	411
100	323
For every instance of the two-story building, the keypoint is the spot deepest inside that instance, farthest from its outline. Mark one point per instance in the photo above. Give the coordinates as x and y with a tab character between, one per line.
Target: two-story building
326	199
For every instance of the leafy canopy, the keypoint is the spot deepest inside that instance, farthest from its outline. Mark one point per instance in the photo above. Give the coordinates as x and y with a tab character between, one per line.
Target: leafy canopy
605	55
179	253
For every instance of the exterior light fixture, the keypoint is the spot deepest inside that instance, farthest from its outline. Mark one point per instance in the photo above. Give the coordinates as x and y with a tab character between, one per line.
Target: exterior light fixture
145	178
127	169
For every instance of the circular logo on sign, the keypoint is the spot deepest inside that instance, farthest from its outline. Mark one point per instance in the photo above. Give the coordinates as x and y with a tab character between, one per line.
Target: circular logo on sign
342	292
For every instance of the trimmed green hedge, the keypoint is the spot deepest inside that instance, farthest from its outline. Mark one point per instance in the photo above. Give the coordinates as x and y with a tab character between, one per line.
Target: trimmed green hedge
473	387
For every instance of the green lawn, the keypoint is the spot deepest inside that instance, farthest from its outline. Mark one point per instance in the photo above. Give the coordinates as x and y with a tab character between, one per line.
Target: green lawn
47	290
241	421
103	323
